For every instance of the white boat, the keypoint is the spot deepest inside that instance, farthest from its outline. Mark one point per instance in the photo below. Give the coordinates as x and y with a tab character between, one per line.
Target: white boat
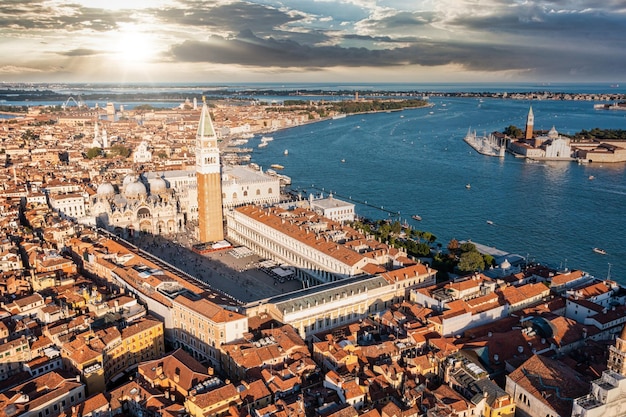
468	186
343	160
286	152
591	177
262	144
416	217
489	222
600	251
339	116
267	138
277	166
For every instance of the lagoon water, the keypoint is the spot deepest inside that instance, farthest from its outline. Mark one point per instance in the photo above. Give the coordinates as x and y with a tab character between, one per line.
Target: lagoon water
416	162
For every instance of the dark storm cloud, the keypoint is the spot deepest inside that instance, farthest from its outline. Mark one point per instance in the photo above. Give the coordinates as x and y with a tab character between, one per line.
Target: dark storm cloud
560	26
250	50
232	17
37	15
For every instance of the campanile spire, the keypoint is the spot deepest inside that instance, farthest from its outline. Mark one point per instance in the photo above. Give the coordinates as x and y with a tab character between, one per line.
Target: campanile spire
208	172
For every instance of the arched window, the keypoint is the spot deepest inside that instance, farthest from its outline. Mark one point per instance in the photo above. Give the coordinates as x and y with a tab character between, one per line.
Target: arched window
245	193
258	192
269	191
234	196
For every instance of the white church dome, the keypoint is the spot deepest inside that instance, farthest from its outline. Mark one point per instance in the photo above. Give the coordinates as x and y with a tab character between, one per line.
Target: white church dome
135	189
553	133
106	188
157	185
505	264
129	179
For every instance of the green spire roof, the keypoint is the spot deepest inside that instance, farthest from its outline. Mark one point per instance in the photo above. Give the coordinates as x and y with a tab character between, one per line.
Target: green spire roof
205	127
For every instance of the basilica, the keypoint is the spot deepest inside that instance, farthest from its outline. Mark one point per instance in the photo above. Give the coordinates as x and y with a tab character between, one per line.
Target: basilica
135	207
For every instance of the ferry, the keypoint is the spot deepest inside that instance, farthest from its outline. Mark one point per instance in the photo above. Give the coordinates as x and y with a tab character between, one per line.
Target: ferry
600	251
416	217
277	166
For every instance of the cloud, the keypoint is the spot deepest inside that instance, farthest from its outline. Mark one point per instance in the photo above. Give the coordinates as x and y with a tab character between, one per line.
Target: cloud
80	52
576	38
40	15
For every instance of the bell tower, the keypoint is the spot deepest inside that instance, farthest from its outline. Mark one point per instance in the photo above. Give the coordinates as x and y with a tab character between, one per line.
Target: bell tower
530	122
617	354
209	176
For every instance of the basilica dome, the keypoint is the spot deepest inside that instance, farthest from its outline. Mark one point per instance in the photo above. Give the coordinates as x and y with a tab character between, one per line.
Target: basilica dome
134	190
157	185
129	179
106	188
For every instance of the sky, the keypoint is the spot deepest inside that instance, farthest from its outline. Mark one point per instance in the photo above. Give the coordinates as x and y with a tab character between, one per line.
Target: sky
222	41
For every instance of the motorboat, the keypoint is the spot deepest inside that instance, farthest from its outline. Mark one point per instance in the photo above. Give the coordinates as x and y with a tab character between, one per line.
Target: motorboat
416	217
600	251
489	222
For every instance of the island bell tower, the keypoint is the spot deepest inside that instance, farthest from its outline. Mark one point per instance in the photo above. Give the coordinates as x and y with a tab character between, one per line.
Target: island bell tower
208	173
530	121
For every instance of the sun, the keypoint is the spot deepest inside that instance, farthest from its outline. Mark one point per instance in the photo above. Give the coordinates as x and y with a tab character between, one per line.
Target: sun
133	47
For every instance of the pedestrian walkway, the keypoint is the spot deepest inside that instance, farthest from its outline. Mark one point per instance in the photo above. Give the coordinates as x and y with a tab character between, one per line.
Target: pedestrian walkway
241	252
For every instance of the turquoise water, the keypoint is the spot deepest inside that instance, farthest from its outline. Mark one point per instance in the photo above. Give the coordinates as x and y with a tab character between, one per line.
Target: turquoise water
415	162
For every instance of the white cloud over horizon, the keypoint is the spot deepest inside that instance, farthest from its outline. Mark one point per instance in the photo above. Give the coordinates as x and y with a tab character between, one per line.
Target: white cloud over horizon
312	40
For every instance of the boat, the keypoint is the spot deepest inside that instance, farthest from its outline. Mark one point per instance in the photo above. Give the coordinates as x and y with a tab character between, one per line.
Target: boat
286	152
416	217
277	166
266	138
339	116
489	222
262	144
600	251
343	160
468	186
591	177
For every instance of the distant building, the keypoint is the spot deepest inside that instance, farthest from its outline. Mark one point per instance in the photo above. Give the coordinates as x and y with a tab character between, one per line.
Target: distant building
142	154
332	208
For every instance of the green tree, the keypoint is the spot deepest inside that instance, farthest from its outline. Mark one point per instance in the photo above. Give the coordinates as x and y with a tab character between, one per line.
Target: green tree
467	247
489	260
513	131
471	261
93	152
